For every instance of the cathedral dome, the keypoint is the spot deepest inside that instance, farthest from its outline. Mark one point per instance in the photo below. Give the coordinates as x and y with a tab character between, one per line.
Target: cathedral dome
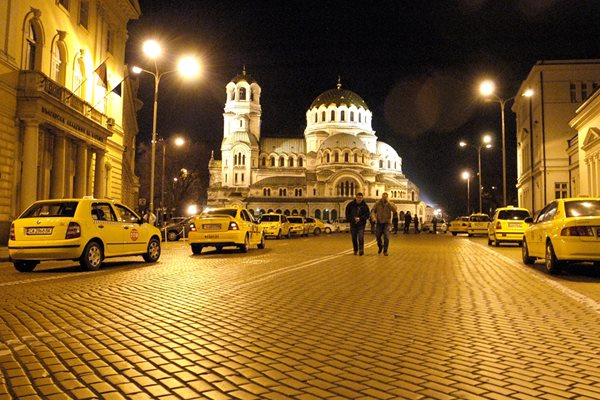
339	96
343	141
243	77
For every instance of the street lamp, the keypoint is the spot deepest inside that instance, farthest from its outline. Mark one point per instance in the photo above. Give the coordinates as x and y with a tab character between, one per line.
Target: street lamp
188	67
466	175
178	142
487	89
485	142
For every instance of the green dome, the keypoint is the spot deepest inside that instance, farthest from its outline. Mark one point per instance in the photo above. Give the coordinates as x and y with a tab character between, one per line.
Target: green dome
338	97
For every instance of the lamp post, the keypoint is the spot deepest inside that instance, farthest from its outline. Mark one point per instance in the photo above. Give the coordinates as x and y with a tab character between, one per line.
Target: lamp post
178	142
485	142
466	175
487	89
188	67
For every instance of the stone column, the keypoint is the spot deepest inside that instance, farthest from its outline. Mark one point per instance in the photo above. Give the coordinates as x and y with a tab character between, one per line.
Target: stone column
59	165
81	170
99	173
29	169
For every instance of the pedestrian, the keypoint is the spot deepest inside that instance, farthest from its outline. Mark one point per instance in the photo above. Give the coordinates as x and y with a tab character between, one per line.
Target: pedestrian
407	221
416	222
434	222
150	217
357	213
382	214
395	222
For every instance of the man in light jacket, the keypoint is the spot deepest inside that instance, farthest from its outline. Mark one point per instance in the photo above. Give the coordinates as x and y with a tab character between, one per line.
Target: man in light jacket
382	214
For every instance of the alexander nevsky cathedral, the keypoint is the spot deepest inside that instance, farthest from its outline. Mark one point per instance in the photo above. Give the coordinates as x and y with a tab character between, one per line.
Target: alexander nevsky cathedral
315	175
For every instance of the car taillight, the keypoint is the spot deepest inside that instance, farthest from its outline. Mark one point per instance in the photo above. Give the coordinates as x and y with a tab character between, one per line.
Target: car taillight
498	225
73	231
12	232
233	226
193	227
577	231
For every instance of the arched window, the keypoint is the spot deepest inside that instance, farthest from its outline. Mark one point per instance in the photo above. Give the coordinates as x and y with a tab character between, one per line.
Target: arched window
336	157
281	161
235	159
334	214
328	159
243	159
346	188
263	161
264	191
326	214
380	163
78	80
355	158
359	117
58	64
242	93
33	46
332	115
272	161
323	116
286	212
342	115
316	115
291	162
389	164
318	213
303	213
300	162
346	157
351	116
363	159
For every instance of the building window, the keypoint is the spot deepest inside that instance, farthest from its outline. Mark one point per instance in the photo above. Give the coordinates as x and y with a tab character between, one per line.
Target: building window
337	157
332	115
272	161
359	117
346	188
235	178
573	93
346	157
323	116
281	161
343	116
110	41
318	213
351	116
64	3
57	62
282	193
314	191
560	190
242	93
363	158
84	12
380	163
263	162
242	177
355	158
32	48
584	91
291	162
300	162
243	159
316	117
328	158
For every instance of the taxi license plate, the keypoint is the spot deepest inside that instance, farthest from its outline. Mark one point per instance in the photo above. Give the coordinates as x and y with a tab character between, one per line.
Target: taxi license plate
514	225
211	236
39	231
211	226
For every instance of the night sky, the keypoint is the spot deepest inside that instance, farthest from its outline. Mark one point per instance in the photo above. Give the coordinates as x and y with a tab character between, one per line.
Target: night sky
417	65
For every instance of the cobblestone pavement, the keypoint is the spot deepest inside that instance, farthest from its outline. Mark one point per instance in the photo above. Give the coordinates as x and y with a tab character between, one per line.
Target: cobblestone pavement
441	318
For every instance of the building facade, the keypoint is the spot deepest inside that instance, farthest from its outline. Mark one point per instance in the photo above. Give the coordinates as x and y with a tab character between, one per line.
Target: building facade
316	175
67	126
549	147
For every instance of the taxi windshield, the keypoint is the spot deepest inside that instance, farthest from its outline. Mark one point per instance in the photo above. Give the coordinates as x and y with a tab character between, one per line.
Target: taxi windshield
54	209
269	218
513	214
221	211
295	220
582	208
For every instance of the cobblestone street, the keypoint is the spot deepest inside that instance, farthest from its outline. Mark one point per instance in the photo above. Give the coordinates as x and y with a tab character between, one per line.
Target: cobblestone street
441	318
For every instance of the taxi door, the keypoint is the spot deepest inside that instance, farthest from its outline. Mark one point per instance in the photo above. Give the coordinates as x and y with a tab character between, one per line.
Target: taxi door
135	236
251	227
108	228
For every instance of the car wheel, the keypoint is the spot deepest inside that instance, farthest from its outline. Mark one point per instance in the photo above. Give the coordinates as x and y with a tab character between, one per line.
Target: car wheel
489	241
453	233
527	259
196	248
172	236
219	248
469	234
279	235
25	266
520	243
317	231
153	252
328	230
244	247
553	266
496	242
92	256
261	244
289	235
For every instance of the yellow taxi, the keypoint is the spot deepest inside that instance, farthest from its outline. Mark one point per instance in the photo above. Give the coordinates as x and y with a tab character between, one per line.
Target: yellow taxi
459	225
275	224
508	225
566	230
225	226
316	226
298	225
87	230
478	224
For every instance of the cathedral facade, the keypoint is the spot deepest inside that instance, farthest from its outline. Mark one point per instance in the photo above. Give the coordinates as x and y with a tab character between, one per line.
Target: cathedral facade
315	175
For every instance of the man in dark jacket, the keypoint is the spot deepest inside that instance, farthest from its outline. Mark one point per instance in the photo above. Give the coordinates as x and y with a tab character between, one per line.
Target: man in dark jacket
357	213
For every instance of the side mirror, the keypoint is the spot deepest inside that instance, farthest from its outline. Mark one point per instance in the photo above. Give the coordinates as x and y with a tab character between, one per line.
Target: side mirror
528	220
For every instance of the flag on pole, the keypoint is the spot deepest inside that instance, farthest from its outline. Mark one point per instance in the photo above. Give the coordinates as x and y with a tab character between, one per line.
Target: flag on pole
101	72
117	89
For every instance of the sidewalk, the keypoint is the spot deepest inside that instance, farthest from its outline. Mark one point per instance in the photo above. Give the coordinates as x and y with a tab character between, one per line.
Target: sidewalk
3	253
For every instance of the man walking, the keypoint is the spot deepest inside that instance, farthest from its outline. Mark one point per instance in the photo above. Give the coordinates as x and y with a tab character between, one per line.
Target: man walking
357	213
382	213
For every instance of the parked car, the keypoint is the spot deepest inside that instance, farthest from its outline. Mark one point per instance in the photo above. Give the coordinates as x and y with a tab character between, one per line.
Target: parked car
298	226
87	230
459	225
341	225
223	227
177	228
565	230
478	224
275	225
441	226
508	225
